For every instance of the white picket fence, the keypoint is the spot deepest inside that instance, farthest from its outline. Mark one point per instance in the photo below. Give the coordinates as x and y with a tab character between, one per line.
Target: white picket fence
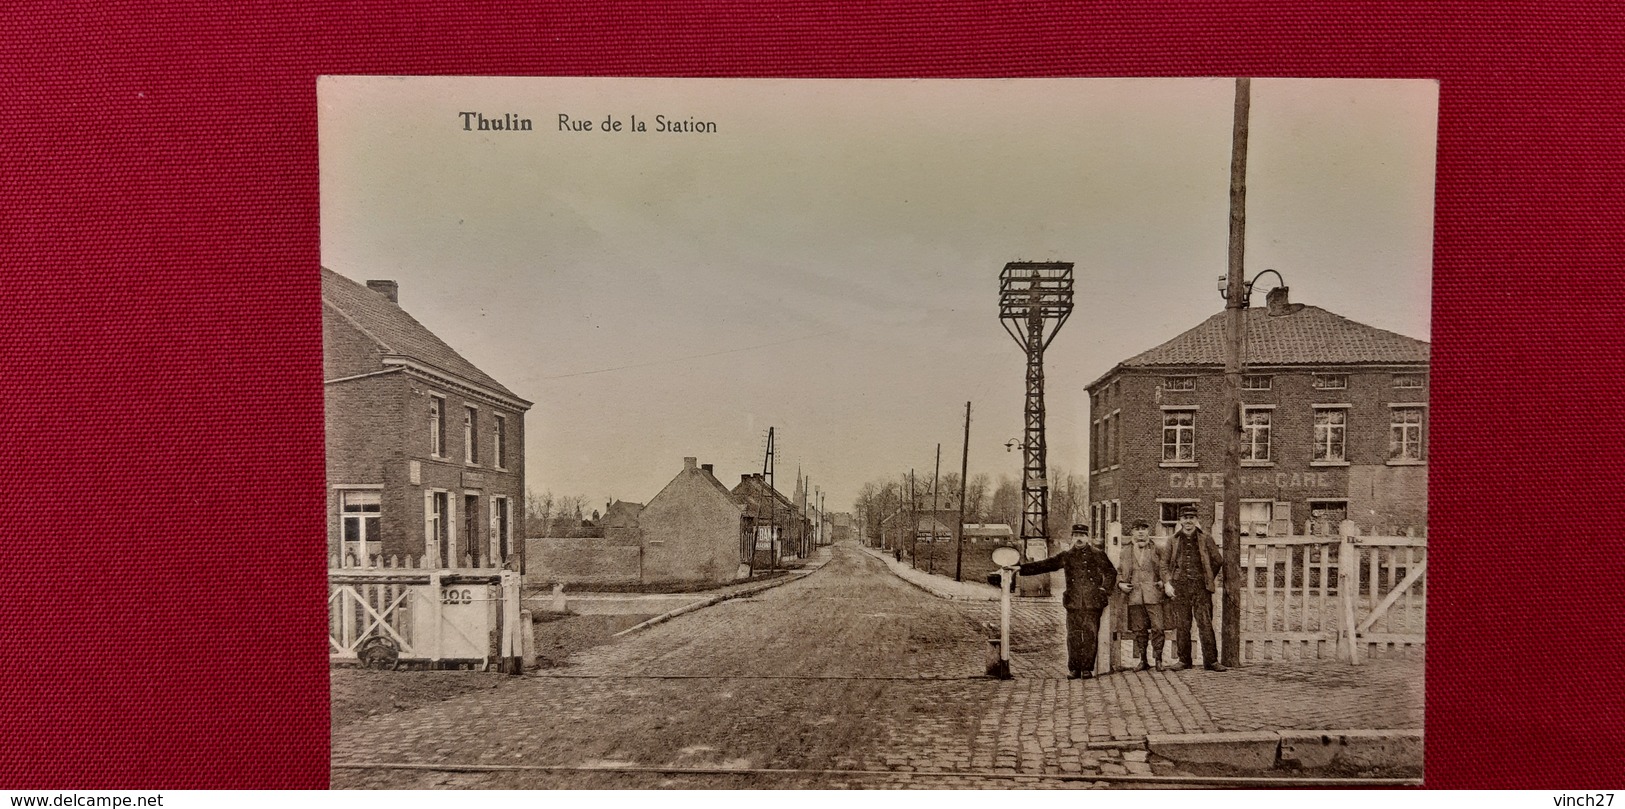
1315	597
392	611
1299	600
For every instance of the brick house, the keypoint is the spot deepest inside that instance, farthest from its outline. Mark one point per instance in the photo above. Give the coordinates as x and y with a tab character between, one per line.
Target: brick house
620	520
692	530
425	452
1334	416
772	518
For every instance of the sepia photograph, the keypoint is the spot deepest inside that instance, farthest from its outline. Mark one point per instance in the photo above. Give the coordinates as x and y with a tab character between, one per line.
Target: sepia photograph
876	434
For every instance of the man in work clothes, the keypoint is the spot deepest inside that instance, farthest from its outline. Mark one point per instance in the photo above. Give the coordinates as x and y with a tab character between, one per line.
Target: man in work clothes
1145	577
1194	560
1090	578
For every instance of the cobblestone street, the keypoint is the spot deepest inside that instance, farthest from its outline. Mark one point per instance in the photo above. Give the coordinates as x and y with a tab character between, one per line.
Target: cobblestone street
848	677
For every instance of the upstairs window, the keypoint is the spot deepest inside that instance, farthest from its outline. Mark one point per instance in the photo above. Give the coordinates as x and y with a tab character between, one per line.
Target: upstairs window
1330	424
1255	382
499	442
1410	381
1179	383
471	446
437	426
1255	435
1405	434
1179	436
1331	381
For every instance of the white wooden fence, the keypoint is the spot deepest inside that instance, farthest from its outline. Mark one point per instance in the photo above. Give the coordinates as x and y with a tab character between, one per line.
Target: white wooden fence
1318	597
391	611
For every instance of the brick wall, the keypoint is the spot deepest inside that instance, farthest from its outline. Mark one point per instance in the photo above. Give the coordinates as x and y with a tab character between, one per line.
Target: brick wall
1378	494
363	419
581	560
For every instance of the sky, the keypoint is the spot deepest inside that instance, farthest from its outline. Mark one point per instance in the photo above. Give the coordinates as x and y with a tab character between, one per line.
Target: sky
826	261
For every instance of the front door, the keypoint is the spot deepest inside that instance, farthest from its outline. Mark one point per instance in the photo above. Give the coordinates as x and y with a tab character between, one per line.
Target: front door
471	527
436	527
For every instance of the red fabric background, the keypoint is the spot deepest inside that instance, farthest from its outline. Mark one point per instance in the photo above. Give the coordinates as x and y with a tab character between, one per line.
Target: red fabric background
161	348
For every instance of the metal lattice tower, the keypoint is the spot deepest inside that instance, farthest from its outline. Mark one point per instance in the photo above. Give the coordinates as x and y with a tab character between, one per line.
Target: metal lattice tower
1035	300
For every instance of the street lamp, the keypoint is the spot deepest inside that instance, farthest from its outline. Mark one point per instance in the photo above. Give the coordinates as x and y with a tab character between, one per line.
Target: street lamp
1247	288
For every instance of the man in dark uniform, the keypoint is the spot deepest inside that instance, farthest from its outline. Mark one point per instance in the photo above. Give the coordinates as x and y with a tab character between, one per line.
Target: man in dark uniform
1090	578
1195	561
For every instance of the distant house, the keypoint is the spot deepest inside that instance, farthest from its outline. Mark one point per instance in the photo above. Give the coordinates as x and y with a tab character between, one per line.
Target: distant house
771	518
425	452
843	527
620	520
992	532
692	530
935	528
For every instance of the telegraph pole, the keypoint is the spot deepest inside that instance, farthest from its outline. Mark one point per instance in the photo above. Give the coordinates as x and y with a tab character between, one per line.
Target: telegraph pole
820	538
931	565
914	524
768	464
959	533
1235	323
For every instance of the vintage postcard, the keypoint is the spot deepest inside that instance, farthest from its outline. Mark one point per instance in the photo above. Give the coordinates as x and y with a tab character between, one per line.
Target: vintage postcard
874	434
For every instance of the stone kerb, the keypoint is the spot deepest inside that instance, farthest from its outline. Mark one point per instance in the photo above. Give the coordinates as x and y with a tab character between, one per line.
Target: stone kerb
943	587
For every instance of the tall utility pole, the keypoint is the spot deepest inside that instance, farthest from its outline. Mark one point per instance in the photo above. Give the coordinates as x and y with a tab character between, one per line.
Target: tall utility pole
1235	327
1035	300
931	566
768	462
959	533
818	536
914	524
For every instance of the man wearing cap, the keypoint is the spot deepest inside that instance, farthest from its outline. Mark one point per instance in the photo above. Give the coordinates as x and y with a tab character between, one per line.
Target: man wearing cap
1144	575
1195	561
1090	578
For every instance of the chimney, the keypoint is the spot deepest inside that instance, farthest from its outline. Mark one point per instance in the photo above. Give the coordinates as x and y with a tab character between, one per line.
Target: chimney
1278	303
388	289
689	463
708	469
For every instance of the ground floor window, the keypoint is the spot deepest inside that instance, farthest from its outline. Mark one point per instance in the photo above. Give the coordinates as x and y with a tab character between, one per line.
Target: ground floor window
1168	520
360	523
1325	516
1256	517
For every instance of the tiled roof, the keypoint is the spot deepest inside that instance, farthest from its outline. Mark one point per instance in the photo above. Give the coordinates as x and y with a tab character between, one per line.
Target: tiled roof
754	491
398	332
1309	336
